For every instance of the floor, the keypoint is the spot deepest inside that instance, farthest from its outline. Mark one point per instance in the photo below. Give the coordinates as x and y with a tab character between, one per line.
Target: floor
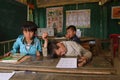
115	60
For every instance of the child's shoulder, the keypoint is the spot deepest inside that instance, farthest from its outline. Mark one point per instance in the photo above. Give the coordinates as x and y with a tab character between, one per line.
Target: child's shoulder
36	39
20	36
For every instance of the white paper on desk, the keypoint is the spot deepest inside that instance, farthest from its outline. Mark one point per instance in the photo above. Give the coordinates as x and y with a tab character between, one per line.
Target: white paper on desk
6	76
67	63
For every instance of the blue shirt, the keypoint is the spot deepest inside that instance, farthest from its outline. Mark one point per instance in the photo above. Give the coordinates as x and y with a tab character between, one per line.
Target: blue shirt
20	46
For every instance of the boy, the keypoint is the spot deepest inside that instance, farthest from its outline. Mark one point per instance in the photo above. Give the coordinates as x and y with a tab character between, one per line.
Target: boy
71	34
67	48
27	43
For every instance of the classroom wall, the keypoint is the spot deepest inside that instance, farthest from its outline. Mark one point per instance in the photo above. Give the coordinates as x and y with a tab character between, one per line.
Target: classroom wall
40	18
113	24
101	23
12	15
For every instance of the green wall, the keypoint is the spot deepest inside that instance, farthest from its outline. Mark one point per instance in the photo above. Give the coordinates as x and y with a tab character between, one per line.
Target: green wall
12	15
101	23
94	31
113	26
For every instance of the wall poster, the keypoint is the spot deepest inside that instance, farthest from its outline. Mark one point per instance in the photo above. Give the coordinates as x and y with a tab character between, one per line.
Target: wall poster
115	12
79	18
55	18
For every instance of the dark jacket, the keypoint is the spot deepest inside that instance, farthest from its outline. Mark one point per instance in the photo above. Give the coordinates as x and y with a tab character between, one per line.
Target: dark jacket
76	39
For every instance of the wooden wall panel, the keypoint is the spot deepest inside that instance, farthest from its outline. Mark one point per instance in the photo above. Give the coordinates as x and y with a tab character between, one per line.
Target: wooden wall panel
47	3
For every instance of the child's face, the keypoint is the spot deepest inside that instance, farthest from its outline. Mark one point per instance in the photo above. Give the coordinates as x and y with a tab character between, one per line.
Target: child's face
28	34
71	33
61	49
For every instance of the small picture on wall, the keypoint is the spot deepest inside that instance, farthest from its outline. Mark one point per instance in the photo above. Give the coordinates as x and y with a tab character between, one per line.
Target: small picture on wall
115	12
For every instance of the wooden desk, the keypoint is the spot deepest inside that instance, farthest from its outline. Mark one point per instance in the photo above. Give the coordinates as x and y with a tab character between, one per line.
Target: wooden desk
90	44
47	67
58	76
83	39
97	66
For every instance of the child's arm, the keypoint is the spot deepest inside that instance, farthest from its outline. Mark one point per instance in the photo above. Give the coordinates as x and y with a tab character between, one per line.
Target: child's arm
82	61
37	53
15	48
7	54
86	56
44	48
44	37
67	36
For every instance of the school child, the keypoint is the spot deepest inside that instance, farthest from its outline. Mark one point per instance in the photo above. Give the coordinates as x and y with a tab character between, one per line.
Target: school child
28	43
71	34
67	48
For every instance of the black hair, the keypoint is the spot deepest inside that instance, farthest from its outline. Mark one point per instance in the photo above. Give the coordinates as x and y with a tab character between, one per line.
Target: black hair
72	27
52	45
29	26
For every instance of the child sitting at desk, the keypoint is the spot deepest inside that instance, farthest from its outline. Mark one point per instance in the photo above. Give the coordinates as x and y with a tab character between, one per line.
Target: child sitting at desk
71	34
67	48
27	43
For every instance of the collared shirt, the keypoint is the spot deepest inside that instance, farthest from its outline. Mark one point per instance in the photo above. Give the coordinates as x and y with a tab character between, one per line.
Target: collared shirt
20	46
76	39
74	49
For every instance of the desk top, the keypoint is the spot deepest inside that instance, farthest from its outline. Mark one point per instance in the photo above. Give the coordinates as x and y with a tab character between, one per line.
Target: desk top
98	65
81	38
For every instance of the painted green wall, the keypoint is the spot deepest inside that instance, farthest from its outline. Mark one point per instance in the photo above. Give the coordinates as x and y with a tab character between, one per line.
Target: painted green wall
12	15
101	23
94	31
113	26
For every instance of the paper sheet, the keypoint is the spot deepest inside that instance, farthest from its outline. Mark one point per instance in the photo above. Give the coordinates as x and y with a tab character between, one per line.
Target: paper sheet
67	63
6	76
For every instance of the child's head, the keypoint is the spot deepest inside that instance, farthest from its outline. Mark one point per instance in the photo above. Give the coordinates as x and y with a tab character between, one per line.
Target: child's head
29	29
56	49
71	31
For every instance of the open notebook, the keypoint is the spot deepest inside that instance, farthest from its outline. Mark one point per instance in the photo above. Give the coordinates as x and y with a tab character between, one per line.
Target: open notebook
6	76
67	63
12	58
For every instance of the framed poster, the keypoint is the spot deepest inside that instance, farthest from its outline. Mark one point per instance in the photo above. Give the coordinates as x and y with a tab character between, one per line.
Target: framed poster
115	12
79	18
55	18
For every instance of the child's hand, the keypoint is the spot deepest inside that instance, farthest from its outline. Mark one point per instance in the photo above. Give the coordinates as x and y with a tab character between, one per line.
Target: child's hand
7	54
37	53
44	35
67	36
82	61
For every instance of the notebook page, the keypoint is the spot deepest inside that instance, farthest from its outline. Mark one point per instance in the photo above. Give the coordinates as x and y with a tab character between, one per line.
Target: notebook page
67	63
6	76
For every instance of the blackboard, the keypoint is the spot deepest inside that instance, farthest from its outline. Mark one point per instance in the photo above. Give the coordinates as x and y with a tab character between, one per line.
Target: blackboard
12	15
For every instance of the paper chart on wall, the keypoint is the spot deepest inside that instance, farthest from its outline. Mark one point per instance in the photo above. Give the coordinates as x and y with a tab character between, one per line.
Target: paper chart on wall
79	18
55	18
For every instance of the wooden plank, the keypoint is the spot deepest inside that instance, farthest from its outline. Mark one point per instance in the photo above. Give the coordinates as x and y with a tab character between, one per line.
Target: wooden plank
47	3
56	70
97	66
